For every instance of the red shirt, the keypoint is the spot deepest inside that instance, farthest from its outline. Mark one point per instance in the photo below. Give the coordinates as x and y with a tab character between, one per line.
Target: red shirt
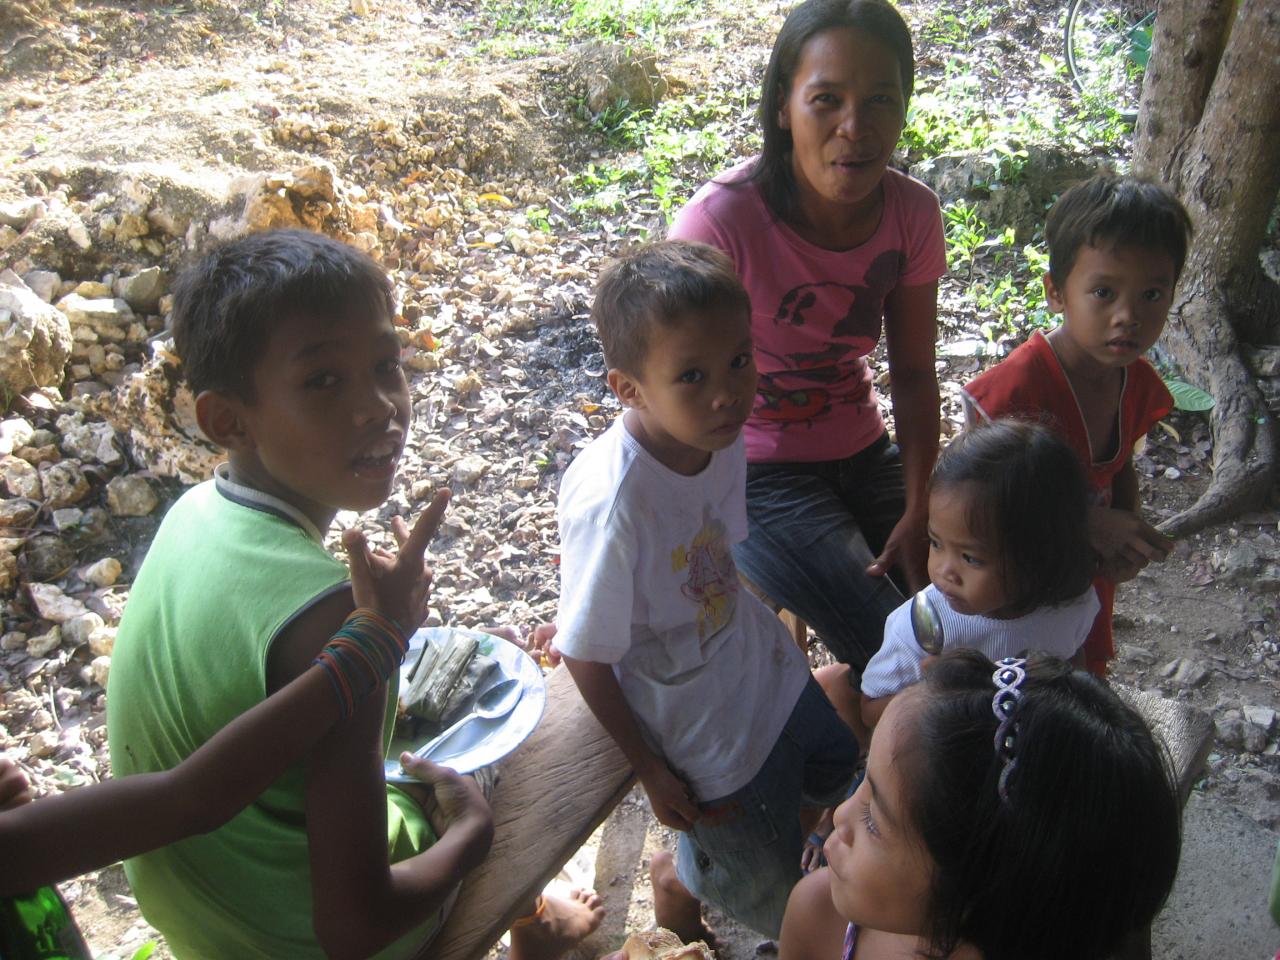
1030	383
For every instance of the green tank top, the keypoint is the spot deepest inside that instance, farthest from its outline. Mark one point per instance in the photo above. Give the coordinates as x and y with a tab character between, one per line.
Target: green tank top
220	581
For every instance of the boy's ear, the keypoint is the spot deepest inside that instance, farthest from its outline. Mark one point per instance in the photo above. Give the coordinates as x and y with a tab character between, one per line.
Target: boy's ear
1052	295
221	419
625	388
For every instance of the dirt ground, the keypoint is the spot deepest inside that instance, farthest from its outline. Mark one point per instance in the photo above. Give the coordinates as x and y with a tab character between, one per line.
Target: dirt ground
202	91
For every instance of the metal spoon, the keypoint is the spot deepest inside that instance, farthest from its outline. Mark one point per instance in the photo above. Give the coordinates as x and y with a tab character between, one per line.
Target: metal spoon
497	701
926	624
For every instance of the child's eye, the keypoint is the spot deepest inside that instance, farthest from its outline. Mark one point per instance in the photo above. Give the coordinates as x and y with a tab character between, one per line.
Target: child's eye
321	381
1102	293
934	544
741	361
971	560
390	365
1153	295
825	99
867	821
691	376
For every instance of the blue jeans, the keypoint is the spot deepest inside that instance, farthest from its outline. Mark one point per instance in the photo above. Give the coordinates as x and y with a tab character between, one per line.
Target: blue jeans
743	853
812	530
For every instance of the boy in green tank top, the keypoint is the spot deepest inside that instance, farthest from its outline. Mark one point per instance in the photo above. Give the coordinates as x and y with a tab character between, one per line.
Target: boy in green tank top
288	345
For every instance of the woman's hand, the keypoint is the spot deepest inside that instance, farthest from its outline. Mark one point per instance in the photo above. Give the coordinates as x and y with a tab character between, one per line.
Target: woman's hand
396	585
907	548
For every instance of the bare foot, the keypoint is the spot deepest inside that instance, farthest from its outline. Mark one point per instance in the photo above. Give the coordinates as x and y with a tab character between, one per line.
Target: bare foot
558	926
674	907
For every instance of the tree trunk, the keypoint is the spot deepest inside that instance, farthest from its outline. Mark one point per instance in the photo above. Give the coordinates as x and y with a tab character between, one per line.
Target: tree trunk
1210	129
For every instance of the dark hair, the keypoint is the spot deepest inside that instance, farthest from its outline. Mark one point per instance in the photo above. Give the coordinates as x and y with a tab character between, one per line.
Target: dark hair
1120	211
227	303
1084	850
876	18
1030	499
660	283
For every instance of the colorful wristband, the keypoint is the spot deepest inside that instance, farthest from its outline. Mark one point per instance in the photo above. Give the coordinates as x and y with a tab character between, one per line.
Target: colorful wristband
362	655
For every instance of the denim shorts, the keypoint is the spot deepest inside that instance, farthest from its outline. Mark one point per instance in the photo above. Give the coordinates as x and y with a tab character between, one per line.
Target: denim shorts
743	853
812	530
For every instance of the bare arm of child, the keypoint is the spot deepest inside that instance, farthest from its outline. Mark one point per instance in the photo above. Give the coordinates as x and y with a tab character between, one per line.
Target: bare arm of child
911	323
1125	542
63	836
361	903
669	796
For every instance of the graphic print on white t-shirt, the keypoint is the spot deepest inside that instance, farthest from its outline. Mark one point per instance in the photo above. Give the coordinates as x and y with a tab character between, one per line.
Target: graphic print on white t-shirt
712	582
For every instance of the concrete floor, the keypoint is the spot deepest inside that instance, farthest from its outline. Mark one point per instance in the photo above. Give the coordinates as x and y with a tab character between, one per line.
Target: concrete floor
1218	908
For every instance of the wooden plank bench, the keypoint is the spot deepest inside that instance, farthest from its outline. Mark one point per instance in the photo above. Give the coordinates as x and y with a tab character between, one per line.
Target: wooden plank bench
551	795
569	775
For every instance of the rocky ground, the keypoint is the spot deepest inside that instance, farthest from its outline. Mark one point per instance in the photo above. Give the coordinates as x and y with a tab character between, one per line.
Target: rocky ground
136	135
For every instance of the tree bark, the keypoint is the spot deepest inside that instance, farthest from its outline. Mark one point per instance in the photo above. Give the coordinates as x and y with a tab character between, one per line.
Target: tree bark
1219	150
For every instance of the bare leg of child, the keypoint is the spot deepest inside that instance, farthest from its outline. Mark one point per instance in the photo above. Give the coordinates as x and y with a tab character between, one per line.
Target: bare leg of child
555	924
674	907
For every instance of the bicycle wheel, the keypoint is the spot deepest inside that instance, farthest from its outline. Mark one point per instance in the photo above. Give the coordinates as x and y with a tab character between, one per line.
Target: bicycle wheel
1107	43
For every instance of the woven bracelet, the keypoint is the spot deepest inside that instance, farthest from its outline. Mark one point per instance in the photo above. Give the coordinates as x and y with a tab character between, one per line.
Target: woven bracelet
364	652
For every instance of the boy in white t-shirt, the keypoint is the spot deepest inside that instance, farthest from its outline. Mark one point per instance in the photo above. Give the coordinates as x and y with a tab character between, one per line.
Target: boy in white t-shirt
697	681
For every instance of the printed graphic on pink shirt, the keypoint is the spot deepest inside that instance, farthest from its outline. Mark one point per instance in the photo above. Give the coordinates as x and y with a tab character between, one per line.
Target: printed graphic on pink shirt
712	582
840	323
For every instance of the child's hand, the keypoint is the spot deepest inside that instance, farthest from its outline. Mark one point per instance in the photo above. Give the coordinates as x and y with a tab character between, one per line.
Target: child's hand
396	586
1125	542
669	796
451	799
14	788
811	857
539	645
907	548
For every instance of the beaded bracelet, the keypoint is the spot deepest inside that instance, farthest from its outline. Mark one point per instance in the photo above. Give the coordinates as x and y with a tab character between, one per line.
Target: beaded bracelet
364	652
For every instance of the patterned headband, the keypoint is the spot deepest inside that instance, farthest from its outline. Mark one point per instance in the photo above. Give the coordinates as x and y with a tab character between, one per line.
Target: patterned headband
1008	677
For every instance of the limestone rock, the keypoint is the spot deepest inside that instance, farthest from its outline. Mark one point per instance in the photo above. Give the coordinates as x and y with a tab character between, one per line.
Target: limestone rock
470	469
21	478
45	283
90	441
52	604
44	743
103	573
64	483
14	432
130	496
1262	717
8	572
1185	673
13	640
100	670
107	317
35	338
17	513
79	629
19	213
614	73
47	557
143	290
158	415
45	643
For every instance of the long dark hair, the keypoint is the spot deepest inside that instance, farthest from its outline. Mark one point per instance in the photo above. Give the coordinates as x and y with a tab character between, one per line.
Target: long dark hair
1028	498
1085	848
876	18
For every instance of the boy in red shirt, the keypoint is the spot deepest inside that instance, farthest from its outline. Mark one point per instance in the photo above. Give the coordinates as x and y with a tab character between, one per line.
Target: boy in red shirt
1116	248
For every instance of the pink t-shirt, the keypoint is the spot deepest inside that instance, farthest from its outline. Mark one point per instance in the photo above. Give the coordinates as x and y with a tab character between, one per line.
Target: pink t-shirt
816	313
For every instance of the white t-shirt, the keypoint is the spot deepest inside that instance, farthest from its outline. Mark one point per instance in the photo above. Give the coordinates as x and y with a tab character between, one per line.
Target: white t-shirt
648	584
1058	631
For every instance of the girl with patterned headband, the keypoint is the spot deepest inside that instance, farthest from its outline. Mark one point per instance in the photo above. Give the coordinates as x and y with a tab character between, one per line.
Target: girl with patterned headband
1011	811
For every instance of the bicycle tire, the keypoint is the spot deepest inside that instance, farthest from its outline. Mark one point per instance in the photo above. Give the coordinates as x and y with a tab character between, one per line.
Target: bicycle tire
1103	40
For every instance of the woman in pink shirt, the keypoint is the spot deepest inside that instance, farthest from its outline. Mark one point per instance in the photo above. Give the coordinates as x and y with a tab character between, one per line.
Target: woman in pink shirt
833	245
